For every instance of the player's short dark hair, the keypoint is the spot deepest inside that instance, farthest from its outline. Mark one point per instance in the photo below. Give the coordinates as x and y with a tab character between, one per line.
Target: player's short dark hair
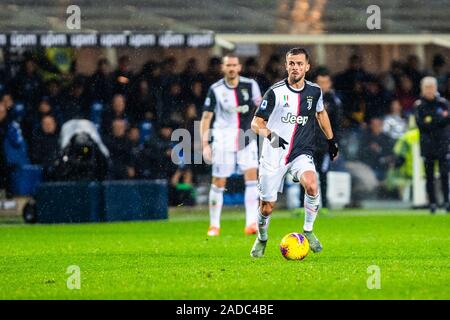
229	55
297	51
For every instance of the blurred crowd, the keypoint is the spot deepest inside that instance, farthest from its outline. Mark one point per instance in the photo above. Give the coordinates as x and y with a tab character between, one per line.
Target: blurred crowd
137	111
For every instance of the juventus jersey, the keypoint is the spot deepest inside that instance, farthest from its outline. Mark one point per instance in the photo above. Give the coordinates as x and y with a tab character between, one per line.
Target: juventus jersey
233	110
291	114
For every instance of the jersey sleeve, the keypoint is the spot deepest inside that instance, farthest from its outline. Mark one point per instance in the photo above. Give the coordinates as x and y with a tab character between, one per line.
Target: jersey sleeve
256	93
210	101
267	105
319	106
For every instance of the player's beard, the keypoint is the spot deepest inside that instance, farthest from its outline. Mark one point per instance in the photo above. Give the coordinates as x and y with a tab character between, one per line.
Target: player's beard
293	79
231	76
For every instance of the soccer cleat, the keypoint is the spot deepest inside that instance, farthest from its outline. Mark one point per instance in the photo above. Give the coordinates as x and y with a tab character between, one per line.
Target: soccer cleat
433	208
251	229
447	207
314	243
213	231
258	248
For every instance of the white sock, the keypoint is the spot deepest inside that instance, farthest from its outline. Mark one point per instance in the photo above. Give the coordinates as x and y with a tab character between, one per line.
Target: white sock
311	205
215	205
251	202
263	226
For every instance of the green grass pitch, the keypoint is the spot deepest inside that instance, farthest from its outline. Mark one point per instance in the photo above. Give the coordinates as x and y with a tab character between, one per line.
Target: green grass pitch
175	260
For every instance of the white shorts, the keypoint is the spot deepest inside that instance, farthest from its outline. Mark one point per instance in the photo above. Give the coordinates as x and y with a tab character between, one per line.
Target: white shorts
225	163
271	178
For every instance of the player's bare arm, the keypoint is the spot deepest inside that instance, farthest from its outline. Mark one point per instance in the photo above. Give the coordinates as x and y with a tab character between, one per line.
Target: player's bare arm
325	125
205	124
260	128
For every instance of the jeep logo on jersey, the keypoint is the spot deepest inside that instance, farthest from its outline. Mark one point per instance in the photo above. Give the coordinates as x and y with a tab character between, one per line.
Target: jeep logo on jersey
242	109
290	118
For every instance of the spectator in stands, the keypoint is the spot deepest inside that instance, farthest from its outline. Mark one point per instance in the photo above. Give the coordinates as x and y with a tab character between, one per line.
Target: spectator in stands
134	136
15	109
273	69
101	83
376	99
116	111
143	103
44	148
151	71
354	109
168	74
54	95
122	162
251	70
346	81
28	85
75	104
405	94
173	103
33	120
196	95
394	125
155	159
412	70
214	71
391	80
376	148
190	74
122	77
440	73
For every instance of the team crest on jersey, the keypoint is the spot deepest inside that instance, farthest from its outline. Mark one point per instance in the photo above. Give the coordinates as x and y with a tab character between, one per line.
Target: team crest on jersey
309	101
245	94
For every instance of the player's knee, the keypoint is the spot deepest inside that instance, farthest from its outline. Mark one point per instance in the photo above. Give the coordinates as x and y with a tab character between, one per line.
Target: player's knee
266	208
312	188
309	181
219	182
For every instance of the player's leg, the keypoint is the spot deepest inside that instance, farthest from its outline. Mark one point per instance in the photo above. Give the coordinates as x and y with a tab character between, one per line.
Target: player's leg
264	211
251	201
311	204
215	205
222	167
303	167
429	172
247	160
270	182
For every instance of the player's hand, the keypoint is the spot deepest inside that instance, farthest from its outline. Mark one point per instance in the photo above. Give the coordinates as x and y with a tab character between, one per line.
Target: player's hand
333	148
207	153
276	141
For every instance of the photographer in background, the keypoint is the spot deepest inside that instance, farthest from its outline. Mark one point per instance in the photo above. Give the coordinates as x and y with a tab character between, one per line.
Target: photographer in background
432	119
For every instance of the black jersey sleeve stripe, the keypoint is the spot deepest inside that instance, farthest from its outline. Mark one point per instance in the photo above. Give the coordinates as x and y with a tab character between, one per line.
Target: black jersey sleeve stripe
210	101
278	84
267	105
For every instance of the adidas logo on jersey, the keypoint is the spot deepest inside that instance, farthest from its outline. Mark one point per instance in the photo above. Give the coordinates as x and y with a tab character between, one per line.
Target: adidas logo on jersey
290	118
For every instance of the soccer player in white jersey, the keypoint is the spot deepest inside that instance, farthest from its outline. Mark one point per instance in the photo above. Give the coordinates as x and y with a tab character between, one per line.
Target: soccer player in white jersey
286	118
232	101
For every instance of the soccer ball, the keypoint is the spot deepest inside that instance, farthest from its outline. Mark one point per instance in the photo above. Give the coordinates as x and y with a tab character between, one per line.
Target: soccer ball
294	246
